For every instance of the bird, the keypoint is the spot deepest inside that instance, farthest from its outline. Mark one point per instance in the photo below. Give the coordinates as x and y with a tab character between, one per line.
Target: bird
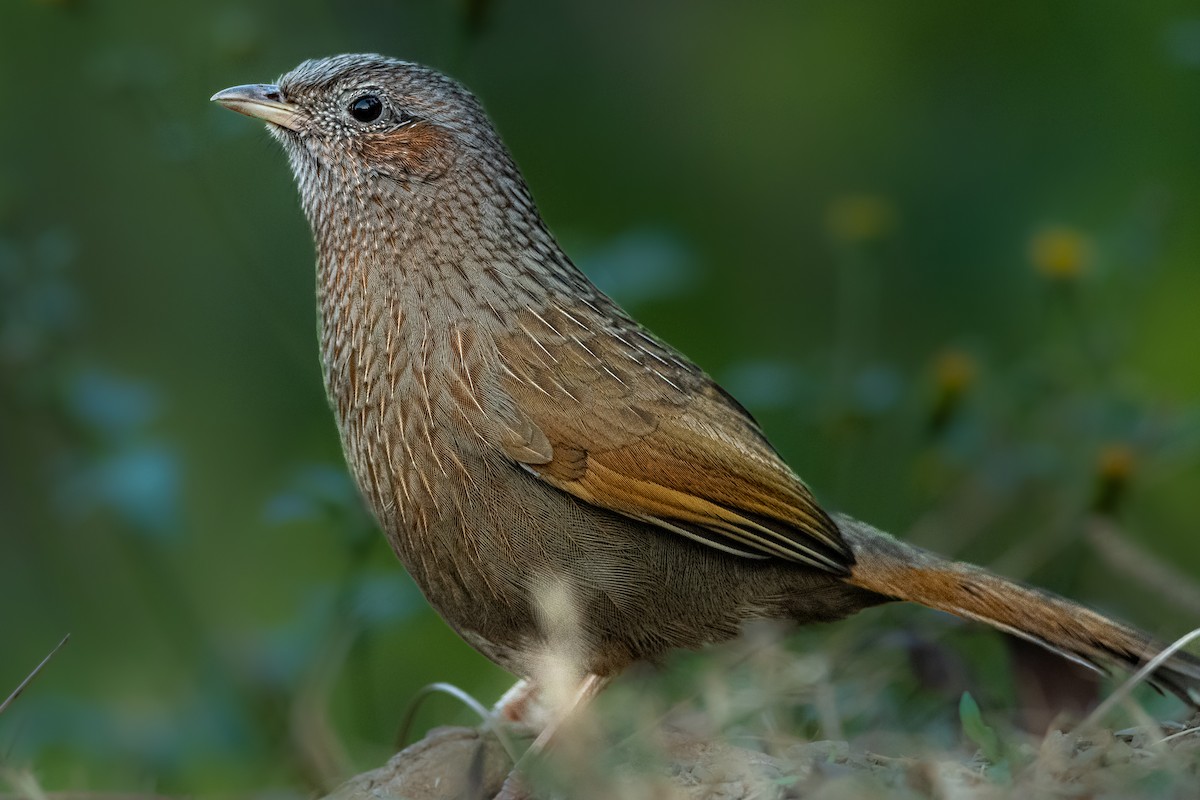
519	436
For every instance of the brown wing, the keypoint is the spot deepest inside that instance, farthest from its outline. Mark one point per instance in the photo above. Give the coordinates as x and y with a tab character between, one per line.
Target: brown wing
605	412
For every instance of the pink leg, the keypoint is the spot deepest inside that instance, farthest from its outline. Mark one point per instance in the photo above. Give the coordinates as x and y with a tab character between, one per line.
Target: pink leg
588	688
519	703
515	787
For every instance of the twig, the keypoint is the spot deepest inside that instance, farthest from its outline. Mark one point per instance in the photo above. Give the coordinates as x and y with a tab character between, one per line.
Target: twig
1180	734
489	721
29	679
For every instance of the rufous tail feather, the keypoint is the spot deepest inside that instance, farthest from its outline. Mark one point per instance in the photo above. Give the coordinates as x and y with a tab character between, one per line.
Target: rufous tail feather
894	569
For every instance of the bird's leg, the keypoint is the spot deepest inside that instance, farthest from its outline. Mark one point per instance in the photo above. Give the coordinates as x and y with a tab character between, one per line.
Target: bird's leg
521	704
525	694
588	688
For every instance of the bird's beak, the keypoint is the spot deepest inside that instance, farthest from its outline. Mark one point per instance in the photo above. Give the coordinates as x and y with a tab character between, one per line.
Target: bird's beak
262	101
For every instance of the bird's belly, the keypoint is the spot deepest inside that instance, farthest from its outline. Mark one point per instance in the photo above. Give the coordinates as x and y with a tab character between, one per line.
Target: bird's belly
523	571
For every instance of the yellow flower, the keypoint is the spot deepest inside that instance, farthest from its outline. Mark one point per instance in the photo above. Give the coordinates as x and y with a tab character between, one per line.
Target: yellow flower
1115	463
1060	253
954	371
858	218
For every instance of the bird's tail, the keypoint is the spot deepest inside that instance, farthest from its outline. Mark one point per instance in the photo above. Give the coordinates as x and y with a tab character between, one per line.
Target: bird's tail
893	569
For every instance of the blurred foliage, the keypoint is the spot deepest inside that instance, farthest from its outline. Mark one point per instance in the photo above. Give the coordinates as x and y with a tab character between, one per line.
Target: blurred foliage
948	255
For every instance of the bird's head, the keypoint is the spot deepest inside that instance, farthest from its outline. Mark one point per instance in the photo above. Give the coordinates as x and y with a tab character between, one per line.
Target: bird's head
398	160
353	118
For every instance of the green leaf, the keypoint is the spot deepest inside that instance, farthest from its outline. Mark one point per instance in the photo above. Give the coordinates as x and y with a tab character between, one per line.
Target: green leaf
979	731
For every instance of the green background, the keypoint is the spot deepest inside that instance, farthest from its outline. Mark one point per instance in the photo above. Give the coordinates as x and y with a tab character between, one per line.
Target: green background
820	202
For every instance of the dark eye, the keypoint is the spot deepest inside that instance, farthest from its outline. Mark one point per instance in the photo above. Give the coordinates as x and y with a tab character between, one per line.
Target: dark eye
366	108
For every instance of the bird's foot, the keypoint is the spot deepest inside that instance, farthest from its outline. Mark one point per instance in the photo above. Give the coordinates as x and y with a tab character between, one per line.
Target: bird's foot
522	706
515	788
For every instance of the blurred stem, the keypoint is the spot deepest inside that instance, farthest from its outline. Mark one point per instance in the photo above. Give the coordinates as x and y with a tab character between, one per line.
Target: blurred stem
1124	556
174	613
855	296
323	759
1057	533
1066	342
1075	319
855	326
365	695
473	19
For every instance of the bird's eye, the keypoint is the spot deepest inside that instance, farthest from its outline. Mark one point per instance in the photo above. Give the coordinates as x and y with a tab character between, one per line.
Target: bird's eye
366	108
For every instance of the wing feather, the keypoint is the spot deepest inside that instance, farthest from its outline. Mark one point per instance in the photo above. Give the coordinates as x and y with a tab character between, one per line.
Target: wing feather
621	421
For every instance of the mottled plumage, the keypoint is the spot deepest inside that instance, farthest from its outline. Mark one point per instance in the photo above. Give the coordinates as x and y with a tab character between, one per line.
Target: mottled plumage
512	428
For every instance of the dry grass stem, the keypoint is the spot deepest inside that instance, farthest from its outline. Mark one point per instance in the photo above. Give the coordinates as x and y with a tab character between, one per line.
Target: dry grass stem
1125	689
1134	562
29	678
321	752
488	718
